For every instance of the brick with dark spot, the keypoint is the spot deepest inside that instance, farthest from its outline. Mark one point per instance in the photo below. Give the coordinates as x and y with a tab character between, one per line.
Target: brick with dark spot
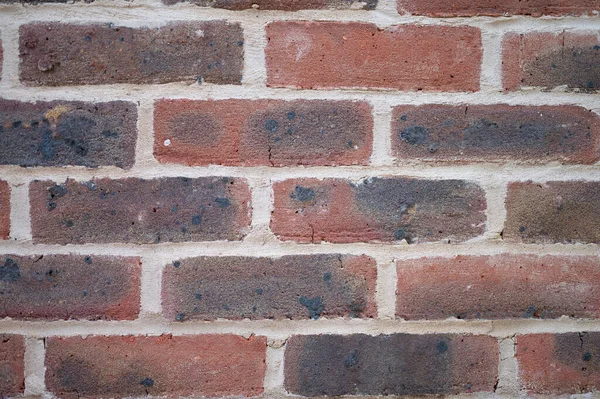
547	60
172	366
54	54
499	287
263	132
132	210
12	365
4	210
323	54
291	287
66	287
284	5
559	363
497	8
553	212
63	133
378	209
398	364
495	133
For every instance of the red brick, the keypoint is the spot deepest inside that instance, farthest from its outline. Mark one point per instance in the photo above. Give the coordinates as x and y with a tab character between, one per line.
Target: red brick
126	366
55	54
172	209
293	287
496	133
12	365
361	55
559	363
285	5
554	212
4	210
61	133
549	60
499	287
69	287
495	8
263	132
378	209
398	364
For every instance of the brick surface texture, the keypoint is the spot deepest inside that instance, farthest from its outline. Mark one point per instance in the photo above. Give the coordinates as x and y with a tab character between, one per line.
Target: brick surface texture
299	198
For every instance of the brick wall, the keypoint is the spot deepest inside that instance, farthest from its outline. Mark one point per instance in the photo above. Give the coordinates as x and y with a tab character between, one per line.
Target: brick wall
299	197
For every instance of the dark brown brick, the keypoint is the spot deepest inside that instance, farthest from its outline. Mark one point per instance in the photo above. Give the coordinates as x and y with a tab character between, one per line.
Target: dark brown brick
57	54
69	287
378	209
554	212
4	210
496	133
134	210
67	133
398	364
548	60
285	5
499	287
135	366
293	287
559	363
12	365
263	132
496	8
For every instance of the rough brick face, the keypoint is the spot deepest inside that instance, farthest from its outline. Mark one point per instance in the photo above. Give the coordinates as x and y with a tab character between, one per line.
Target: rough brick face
499	287
378	209
559	363
126	366
63	133
4	210
554	212
293	287
12	364
56	54
496	133
549	60
360	55
469	8
398	364
69	287
285	5
134	210
263	132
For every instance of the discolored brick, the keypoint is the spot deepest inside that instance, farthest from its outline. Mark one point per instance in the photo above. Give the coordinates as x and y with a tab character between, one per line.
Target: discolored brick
499	287
553	212
263	132
496	133
69	287
12	365
559	363
292	287
63	133
497	8
378	209
54	54
172	209
314	55
172	366
548	60
4	210
398	364
285	5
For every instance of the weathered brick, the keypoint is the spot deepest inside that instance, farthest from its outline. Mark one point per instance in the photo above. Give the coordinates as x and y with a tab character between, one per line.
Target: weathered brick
12	365
554	212
134	210
263	132
57	54
499	287
4	210
496	133
69	287
1	58
495	8
378	209
360	55
559	363
173	366
293	287
285	5
398	364
548	60
67	133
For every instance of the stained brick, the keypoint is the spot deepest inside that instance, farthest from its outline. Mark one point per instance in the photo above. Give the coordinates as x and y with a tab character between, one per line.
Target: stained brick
12	365
285	5
4	210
